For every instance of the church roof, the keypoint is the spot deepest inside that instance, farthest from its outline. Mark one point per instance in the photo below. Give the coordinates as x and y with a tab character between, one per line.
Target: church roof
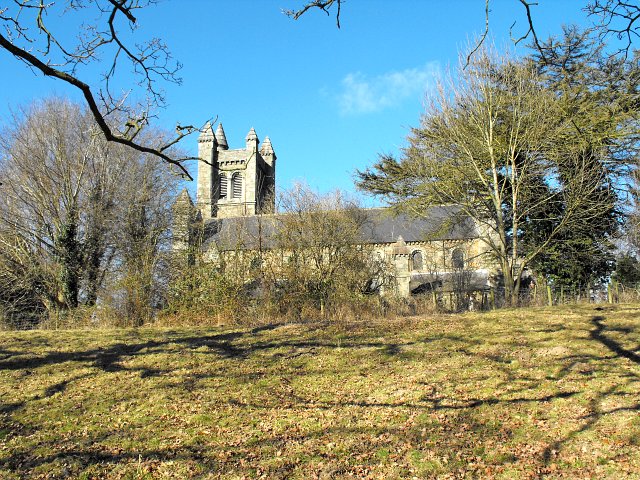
379	226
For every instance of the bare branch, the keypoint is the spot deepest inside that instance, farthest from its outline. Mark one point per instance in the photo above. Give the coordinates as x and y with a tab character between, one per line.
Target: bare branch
91	102
618	18
484	34
532	31
126	11
324	5
151	60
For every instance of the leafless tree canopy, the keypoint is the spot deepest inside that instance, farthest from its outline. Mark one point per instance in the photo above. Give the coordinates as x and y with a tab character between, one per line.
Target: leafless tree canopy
106	32
618	18
77	215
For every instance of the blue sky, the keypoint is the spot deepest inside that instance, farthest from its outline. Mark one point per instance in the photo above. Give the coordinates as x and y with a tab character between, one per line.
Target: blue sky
330	100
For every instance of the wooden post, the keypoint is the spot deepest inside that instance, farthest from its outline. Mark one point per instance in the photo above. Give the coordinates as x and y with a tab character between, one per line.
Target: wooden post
549	296
609	293
492	299
561	295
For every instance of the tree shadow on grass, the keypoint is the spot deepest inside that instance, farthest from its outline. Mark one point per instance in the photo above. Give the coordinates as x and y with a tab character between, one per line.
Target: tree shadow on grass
241	345
599	334
108	358
112	358
225	345
87	452
60	387
84	453
425	403
591	420
10	407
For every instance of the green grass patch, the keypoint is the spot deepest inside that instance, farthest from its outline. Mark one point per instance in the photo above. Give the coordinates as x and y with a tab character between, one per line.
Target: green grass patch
506	394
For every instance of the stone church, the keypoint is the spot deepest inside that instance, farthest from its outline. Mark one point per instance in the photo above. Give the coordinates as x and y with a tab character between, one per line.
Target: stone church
234	182
235	206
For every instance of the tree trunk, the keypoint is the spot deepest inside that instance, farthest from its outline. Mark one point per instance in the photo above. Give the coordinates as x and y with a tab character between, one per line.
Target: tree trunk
69	254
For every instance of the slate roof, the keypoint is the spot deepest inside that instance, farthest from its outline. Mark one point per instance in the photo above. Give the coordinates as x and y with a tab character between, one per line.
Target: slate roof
438	223
380	226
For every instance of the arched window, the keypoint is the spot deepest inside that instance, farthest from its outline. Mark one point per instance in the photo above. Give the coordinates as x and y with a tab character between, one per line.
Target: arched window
416	260
236	185
457	259
223	185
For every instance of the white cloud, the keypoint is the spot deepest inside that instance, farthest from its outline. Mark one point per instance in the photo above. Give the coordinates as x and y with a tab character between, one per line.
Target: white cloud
363	94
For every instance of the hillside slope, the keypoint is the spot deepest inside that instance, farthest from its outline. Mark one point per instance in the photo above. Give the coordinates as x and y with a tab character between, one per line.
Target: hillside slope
510	394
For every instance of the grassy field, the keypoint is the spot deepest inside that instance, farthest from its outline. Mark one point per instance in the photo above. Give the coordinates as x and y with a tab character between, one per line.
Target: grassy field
549	393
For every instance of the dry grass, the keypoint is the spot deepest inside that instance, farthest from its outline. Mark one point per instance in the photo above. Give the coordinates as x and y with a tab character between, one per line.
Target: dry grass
511	394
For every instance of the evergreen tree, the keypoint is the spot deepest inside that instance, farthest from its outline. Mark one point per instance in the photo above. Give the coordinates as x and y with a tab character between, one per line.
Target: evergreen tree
533	152
627	271
598	101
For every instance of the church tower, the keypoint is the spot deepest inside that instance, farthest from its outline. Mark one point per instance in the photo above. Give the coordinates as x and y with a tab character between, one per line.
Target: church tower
234	182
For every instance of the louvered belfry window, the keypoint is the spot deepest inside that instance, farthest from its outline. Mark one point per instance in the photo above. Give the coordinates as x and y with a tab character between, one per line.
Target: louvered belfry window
236	185
223	185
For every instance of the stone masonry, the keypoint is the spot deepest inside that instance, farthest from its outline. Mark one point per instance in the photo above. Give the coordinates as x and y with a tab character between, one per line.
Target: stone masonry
235	198
234	182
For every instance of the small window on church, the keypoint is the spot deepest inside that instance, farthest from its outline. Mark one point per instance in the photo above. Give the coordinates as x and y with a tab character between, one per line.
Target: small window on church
223	185
236	185
457	259
416	260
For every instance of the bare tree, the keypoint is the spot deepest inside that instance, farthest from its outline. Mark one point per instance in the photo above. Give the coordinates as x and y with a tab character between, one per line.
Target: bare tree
324	260
142	242
71	204
495	144
45	165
